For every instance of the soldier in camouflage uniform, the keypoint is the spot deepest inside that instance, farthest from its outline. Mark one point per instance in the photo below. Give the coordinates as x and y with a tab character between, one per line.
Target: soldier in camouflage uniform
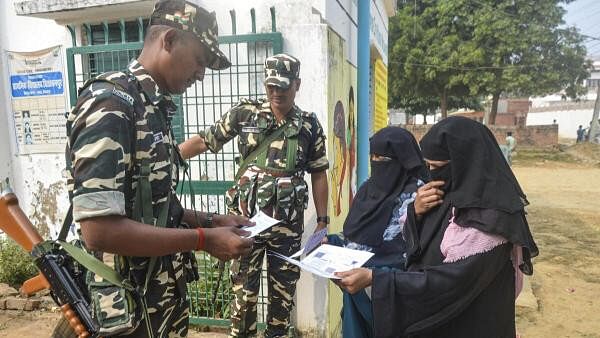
119	127
274	183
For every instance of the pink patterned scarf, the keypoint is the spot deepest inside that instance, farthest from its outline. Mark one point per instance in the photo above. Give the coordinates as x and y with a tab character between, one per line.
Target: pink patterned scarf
462	242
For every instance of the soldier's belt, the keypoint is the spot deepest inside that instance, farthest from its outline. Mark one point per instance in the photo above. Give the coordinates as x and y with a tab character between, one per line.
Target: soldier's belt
275	172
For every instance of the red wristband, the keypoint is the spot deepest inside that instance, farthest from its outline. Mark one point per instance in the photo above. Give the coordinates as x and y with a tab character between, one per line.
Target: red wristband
201	238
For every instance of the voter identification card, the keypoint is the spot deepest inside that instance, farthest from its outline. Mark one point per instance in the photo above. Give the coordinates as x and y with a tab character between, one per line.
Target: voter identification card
314	241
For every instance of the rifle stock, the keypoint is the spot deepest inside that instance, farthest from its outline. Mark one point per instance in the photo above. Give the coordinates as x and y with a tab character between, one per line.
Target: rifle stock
54	275
15	223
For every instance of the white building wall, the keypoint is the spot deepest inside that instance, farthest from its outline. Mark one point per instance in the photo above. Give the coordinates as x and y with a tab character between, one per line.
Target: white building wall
569	114
5	147
36	178
568	120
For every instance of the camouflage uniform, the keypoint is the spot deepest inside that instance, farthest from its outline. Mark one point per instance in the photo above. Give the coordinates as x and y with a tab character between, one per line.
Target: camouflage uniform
120	123
104	173
271	186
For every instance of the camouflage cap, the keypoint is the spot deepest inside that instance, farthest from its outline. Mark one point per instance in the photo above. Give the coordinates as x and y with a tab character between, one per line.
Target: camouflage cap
188	17
281	69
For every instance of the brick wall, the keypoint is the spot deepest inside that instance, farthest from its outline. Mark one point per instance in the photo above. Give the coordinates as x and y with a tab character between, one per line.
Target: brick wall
538	136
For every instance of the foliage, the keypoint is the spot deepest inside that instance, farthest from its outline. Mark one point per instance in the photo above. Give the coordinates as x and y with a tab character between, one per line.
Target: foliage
420	78
16	266
202	292
467	48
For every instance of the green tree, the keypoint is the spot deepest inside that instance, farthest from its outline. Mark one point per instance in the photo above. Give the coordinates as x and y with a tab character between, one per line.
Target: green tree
526	50
425	44
468	48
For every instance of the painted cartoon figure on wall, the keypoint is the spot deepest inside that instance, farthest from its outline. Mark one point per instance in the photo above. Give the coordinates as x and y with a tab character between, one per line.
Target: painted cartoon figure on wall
339	152
351	141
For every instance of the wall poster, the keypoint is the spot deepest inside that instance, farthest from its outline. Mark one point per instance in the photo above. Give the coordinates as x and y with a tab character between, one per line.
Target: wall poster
38	100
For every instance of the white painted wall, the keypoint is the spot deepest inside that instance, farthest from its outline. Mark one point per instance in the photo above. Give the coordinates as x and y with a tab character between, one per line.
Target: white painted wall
5	148
568	120
37	178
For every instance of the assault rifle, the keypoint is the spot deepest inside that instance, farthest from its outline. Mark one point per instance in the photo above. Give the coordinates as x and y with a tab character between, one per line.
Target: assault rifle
58	271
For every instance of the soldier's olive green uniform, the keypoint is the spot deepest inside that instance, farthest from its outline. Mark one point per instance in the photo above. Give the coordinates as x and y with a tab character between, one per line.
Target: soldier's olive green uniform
114	128
278	188
123	160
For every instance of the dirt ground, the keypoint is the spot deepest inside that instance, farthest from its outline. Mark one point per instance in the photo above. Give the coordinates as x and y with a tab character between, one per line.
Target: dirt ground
563	188
564	215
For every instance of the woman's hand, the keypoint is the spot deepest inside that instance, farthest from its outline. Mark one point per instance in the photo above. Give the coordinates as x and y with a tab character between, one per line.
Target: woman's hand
428	197
355	280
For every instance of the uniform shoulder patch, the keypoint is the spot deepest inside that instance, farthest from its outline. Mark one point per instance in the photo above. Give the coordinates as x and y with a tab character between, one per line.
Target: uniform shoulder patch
109	84
123	96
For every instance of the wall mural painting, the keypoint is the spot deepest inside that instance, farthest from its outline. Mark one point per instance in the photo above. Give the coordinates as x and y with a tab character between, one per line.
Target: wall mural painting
342	130
351	141
340	151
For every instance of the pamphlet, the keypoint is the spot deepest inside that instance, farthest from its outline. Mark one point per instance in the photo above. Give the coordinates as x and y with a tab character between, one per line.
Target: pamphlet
327	259
262	222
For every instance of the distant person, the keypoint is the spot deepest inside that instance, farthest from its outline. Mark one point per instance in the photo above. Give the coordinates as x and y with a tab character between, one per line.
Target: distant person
511	143
587	132
580	134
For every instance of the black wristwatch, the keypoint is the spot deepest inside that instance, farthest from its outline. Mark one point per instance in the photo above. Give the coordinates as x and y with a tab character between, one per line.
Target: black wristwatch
323	219
209	220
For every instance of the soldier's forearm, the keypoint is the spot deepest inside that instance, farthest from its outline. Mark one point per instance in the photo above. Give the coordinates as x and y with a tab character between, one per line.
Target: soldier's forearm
122	236
192	147
194	218
320	190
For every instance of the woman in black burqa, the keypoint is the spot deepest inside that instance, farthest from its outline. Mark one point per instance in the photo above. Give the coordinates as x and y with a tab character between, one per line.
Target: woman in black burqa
377	216
468	242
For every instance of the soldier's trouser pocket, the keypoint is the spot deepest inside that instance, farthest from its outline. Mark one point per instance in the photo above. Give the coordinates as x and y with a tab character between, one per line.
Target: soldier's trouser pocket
241	197
114	308
291	198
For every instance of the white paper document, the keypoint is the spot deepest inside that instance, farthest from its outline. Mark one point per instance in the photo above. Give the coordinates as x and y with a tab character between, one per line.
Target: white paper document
262	222
327	259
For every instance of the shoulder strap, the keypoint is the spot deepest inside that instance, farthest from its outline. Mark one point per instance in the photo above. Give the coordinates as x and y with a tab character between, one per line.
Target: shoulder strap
96	266
292	147
259	150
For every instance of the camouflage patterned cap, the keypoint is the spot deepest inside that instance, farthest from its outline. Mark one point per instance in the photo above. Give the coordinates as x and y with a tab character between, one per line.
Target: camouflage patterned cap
281	69
188	17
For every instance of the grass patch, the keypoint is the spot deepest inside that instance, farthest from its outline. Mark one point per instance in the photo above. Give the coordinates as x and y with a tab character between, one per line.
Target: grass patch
16	266
535	155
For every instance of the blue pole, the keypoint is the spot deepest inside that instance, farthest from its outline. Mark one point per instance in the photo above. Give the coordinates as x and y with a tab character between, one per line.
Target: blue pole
364	119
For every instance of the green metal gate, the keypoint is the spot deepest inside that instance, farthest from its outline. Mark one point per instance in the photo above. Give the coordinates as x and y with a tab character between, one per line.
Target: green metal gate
110	46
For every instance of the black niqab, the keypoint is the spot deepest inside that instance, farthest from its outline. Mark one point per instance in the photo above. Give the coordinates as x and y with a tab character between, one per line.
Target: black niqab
374	202
483	188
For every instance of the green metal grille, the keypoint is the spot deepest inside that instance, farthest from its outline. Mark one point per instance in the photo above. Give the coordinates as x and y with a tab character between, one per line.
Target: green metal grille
110	48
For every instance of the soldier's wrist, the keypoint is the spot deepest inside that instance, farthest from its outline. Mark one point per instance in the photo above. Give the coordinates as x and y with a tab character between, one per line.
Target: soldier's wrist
323	220
209	218
200	244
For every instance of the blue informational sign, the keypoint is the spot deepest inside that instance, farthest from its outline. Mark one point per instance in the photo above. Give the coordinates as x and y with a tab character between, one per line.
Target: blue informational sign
39	84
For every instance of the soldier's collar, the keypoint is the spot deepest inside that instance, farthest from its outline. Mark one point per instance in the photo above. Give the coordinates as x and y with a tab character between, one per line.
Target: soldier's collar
151	90
149	86
293	115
